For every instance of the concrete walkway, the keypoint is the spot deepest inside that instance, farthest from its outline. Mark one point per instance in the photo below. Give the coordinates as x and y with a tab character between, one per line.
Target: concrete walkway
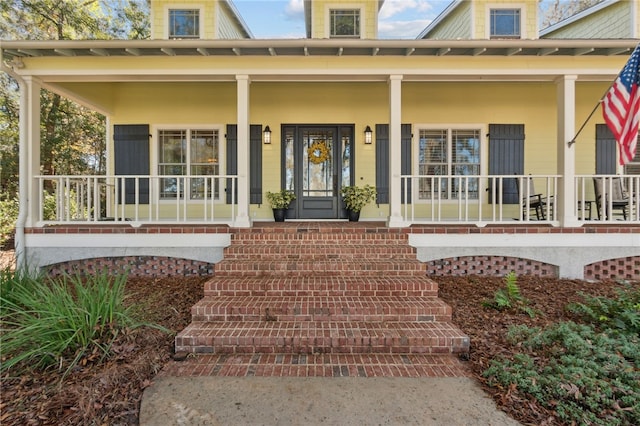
209	401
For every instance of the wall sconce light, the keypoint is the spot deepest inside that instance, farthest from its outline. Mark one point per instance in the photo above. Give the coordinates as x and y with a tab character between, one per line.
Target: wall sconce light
368	135
266	137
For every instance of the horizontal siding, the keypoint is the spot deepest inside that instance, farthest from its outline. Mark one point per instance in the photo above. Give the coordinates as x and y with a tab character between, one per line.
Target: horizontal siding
614	21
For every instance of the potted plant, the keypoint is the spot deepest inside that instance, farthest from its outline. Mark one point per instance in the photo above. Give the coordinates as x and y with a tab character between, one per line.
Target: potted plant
280	201
355	198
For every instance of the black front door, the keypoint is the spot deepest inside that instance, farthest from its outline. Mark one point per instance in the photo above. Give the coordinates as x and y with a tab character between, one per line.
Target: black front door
317	160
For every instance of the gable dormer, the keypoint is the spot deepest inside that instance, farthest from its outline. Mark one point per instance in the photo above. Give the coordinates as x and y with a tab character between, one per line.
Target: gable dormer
484	20
193	19
355	19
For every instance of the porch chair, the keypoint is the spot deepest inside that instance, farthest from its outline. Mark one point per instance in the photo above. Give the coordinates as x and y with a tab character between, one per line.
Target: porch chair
618	197
532	201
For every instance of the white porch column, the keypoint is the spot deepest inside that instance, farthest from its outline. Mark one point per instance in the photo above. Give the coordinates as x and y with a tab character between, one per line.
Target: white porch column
33	150
242	215
395	135
566	100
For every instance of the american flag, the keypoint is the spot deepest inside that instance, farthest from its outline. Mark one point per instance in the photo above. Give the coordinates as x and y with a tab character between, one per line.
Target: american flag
620	107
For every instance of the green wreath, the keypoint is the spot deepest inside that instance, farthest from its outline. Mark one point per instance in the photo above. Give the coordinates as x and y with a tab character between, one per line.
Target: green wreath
318	152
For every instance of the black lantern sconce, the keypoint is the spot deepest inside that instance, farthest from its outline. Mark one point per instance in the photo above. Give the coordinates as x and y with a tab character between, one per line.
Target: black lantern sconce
266	136
368	135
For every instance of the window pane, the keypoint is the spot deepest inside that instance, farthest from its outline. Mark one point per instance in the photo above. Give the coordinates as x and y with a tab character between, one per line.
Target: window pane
204	147
433	161
184	23
345	23
505	22
173	146
465	146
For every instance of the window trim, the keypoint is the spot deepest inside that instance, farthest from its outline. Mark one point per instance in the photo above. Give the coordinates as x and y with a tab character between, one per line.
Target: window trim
346	6
484	160
155	155
183	6
506	6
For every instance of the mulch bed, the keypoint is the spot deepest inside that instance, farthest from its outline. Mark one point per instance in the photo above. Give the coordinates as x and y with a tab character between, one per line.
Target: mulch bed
110	393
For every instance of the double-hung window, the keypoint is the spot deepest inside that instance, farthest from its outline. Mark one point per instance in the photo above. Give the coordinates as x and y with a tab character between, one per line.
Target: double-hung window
448	163
344	23
184	23
505	23
193	154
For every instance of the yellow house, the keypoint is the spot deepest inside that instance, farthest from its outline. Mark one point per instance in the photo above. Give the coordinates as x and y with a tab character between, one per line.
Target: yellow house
475	125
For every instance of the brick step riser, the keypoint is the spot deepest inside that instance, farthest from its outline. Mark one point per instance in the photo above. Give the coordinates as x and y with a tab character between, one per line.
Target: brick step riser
339	267
316	345
287	249
330	316
331	239
283	273
321	293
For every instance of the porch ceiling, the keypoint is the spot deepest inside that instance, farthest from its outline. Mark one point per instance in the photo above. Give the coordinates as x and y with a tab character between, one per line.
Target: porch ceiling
316	47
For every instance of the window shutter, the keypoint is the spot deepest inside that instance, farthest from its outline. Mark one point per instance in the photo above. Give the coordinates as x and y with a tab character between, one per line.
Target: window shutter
605	151
255	169
506	157
382	160
131	157
382	163
405	154
232	159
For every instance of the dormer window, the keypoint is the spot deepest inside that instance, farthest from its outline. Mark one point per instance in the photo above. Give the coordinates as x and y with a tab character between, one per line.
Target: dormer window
184	23
505	23
345	23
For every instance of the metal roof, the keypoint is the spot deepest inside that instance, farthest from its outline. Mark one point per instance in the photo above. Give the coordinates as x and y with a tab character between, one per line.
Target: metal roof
315	47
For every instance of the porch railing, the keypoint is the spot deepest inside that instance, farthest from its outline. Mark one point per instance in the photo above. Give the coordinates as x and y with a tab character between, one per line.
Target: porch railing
512	199
137	199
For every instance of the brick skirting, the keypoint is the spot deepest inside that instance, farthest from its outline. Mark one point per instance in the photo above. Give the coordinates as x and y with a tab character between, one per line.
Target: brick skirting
134	266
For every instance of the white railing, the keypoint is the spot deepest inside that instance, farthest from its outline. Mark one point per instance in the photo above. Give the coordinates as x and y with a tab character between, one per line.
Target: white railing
137	199
479	199
608	198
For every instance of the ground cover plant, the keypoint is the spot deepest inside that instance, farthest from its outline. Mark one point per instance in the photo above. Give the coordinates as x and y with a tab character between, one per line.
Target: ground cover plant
110	392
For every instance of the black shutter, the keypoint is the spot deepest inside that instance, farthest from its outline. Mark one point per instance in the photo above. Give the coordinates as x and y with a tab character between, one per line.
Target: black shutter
232	160
255	167
131	157
506	157
382	160
382	163
605	151
405	155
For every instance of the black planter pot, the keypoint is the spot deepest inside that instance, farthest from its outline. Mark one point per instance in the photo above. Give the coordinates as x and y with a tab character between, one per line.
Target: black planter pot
353	215
279	214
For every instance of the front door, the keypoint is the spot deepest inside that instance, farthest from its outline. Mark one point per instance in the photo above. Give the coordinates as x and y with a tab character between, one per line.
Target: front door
317	161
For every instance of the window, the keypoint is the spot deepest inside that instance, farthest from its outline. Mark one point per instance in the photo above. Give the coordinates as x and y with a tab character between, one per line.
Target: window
345	23
448	152
505	23
184	23
192	153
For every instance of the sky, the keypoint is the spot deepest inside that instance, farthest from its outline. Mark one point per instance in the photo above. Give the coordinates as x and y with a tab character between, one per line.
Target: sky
285	18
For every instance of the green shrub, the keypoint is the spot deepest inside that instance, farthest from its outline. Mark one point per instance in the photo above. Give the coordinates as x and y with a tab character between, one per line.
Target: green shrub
585	376
8	218
510	297
621	314
62	321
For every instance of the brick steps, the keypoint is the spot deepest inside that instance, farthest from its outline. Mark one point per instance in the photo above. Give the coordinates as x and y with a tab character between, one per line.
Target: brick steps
327	267
321	286
319	365
298	290
311	337
315	308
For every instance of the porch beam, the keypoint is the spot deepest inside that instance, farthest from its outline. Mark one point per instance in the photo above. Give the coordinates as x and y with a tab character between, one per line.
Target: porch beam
242	219
566	163
395	158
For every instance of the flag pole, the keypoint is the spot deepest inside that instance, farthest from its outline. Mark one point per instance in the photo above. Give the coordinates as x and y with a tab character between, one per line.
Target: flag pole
572	141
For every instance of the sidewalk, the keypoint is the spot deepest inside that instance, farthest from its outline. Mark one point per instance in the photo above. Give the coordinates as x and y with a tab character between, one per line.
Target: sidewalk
316	400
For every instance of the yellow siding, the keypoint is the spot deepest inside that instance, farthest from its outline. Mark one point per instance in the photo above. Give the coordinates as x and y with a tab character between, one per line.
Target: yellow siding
428	104
615	21
456	25
226	26
529	8
368	16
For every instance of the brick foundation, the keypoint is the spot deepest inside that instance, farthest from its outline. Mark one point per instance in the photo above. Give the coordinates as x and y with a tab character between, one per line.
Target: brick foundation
135	266
627	268
490	266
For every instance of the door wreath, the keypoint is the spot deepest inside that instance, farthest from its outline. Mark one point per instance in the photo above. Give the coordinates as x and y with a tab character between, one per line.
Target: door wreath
318	152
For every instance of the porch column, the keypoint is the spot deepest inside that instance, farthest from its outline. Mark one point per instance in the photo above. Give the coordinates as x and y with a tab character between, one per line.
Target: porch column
33	150
242	215
566	99
395	168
